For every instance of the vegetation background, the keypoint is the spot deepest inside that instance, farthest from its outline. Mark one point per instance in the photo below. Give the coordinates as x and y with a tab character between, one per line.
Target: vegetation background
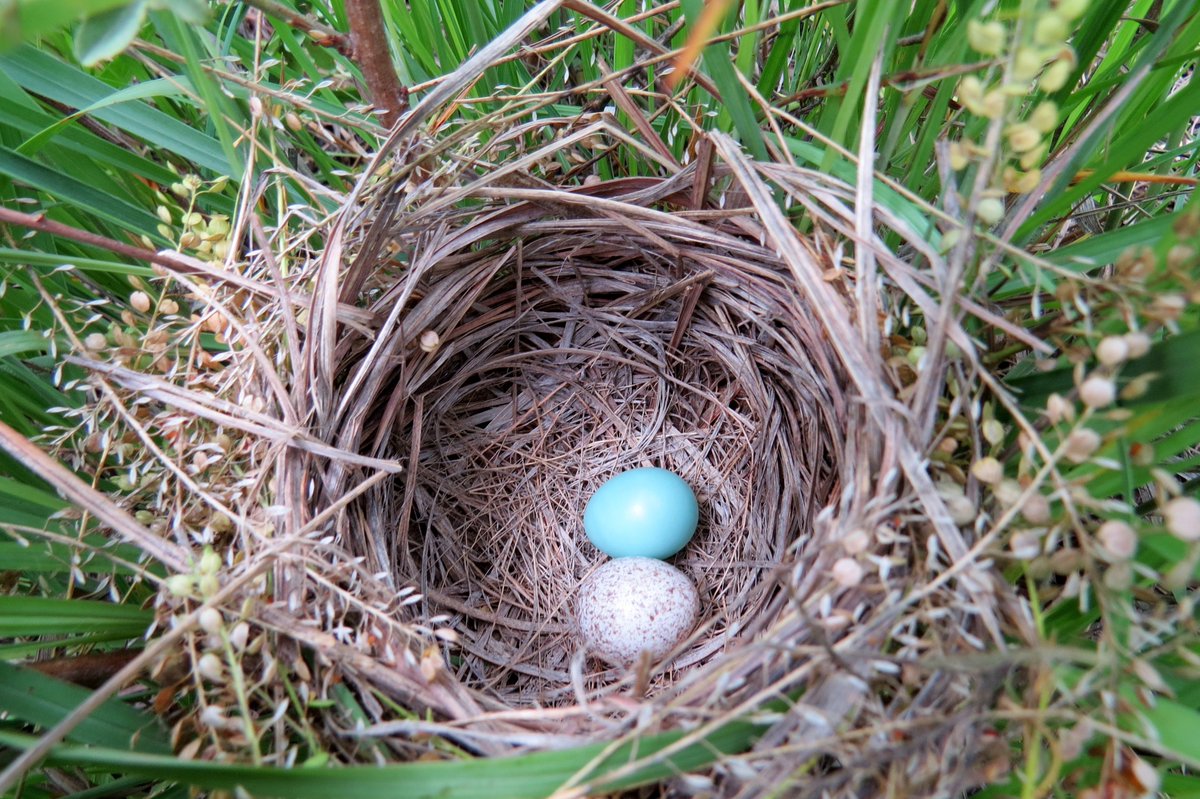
1048	148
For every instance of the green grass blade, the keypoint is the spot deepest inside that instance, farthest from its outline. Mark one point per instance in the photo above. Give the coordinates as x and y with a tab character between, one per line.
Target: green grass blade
522	777
43	74
37	699
25	616
66	188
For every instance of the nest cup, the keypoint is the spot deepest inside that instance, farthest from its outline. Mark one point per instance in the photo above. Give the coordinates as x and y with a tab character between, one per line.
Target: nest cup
536	347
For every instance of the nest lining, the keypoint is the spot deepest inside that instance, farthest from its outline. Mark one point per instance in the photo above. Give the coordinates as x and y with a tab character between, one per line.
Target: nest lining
573	348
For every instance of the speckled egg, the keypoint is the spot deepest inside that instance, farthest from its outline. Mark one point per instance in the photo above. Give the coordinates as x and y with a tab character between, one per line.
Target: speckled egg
646	513
633	604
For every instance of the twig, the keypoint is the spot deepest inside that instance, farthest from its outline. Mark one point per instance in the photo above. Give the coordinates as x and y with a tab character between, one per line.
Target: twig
373	57
321	34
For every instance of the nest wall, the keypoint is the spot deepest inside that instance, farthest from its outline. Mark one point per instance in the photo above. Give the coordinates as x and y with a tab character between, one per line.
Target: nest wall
571	346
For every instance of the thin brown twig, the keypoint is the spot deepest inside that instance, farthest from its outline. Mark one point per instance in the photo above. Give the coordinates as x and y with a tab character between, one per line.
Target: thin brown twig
374	58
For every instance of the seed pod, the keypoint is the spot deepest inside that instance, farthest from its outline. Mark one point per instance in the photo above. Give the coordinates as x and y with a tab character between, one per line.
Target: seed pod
1098	391
1118	539
1182	517
847	572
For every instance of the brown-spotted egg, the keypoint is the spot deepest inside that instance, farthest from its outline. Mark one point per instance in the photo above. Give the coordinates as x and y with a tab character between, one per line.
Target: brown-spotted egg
631	605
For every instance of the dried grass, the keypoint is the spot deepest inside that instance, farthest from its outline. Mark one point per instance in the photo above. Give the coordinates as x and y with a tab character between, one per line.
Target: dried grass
419	501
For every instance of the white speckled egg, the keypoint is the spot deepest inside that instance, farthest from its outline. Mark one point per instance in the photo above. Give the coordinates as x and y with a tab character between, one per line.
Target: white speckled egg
633	604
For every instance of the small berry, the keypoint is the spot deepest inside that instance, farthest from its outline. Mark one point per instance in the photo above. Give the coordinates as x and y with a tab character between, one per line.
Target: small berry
1050	29
211	621
1182	517
1112	350
1137	342
210	667
1081	444
1098	391
847	572
990	210
1118	539
987	38
1056	76
988	470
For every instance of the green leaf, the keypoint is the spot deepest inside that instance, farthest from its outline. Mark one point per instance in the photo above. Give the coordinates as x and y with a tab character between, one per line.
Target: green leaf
162	87
43	74
193	12
108	33
37	699
27	19
532	776
65	187
1171	361
26	616
16	342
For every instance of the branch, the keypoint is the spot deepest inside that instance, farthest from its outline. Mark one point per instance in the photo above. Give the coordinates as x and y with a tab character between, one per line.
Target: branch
369	37
321	34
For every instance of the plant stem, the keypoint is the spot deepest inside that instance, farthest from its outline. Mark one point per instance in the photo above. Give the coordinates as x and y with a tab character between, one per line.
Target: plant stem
321	34
369	38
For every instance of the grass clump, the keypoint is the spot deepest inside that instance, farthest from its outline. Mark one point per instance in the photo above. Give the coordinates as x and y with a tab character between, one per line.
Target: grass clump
971	247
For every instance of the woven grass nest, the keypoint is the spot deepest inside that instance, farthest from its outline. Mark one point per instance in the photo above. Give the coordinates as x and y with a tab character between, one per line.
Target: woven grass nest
492	335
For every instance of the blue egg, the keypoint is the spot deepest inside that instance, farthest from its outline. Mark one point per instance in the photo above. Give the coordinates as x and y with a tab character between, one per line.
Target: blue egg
642	513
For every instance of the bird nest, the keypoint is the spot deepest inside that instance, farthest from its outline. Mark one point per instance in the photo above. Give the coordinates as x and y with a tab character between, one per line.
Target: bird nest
510	343
494	331
535	347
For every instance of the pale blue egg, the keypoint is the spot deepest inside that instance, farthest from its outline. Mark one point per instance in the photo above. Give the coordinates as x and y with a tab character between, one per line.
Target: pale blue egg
646	513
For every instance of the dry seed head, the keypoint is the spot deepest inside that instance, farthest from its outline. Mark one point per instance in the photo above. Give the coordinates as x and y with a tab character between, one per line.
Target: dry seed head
962	510
1167	307
1180	255
1138	343
1182	517
987	38
1021	182
140	301
95	342
1118	539
856	542
1081	444
1112	350
1058	409
164	214
847	572
1007	492
430	341
220	249
1026	545
292	120
988	470
970	94
1098	391
1146	775
169	306
1036	509
1050	29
